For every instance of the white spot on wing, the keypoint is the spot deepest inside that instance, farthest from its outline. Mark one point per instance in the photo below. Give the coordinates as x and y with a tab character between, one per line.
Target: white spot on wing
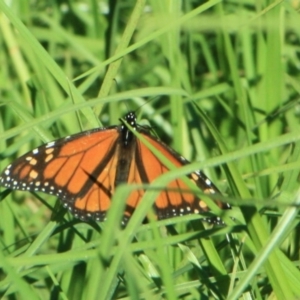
51	144
207	181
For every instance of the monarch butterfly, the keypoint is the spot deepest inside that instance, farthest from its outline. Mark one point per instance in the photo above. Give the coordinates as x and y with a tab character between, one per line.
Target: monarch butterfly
83	171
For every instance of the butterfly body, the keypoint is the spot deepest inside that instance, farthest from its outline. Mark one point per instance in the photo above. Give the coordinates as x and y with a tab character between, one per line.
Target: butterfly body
83	171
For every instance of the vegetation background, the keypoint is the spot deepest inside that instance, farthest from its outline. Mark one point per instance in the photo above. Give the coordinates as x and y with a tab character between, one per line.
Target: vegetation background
223	80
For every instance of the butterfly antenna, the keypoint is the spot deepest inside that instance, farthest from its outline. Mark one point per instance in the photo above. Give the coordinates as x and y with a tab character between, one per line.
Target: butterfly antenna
146	102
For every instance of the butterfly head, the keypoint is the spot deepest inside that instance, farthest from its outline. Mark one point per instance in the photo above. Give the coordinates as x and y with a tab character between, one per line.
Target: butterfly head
130	118
127	135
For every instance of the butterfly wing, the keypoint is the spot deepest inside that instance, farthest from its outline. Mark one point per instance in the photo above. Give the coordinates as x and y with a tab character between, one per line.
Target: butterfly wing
174	200
79	169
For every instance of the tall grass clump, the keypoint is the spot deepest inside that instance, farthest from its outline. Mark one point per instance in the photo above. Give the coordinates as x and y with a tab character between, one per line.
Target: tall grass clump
216	80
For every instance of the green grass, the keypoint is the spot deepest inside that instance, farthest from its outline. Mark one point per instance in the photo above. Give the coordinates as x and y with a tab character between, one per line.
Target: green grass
222	78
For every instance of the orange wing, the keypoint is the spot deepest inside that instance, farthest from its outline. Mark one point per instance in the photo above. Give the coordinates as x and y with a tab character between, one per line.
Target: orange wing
174	200
67	167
